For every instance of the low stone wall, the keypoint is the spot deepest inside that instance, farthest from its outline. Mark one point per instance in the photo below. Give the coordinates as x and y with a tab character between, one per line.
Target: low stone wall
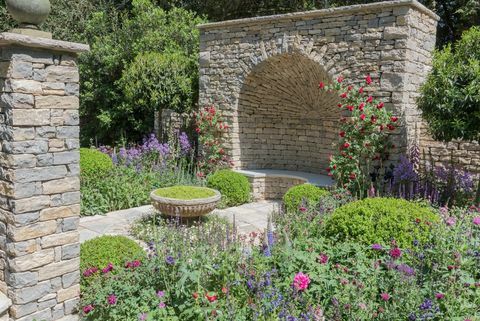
272	187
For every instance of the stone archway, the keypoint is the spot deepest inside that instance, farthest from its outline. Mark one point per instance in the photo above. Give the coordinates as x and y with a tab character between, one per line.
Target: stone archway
284	121
262	73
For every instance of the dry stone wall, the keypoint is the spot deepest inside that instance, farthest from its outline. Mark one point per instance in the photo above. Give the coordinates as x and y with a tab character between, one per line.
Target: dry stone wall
263	74
39	177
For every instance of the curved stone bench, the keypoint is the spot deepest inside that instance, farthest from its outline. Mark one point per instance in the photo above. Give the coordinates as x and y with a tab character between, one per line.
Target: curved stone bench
273	183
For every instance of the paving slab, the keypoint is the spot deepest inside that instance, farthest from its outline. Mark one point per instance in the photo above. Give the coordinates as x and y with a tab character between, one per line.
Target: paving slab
252	217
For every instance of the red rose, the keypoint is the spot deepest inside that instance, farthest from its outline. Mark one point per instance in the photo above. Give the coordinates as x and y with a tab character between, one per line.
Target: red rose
390	127
321	85
362	116
350	108
346	145
195	295
393	119
339	105
342	134
368	80
380	105
344	95
360	90
352	176
340	79
381	127
361	106
197	130
369	99
373	119
349	88
211	298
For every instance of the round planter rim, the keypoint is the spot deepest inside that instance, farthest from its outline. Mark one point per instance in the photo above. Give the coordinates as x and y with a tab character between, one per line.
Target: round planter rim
196	201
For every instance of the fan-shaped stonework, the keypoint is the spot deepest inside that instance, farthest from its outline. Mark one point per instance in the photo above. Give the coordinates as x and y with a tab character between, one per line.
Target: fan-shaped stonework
284	120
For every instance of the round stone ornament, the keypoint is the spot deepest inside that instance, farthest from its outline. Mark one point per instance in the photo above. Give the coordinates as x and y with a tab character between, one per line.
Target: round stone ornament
29	12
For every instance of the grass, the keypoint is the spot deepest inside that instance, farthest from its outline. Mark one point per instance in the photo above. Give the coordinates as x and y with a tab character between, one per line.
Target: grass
185	192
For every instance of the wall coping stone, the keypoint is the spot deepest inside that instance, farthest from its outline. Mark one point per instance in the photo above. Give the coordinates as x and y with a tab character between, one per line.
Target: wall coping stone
5	303
9	38
320	13
315	179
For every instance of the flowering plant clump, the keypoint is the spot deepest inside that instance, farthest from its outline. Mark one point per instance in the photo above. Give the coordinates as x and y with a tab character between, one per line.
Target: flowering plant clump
363	137
211	128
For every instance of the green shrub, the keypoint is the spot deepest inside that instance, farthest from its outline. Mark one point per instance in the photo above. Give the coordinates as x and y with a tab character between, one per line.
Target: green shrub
380	220
94	162
296	195
115	249
234	187
185	192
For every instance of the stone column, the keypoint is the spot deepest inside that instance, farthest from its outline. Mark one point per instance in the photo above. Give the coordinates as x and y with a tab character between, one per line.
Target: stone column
39	177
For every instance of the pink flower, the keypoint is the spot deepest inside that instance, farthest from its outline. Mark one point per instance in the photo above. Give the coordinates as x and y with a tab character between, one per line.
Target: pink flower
321	85
385	296
303	209
112	299
301	281
360	90
323	258
476	220
108	268
368	80
90	271
450	221
87	309
161	305
160	294
346	145
439	296
395	253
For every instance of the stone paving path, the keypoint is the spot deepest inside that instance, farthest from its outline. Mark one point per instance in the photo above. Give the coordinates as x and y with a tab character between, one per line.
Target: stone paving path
249	217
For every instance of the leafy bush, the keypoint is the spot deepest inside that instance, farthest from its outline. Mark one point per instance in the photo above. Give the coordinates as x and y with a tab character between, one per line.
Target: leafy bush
234	187
94	163
296	195
381	220
450	99
185	192
114	249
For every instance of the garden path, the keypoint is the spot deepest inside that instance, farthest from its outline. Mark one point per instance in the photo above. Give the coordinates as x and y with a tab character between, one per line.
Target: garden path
249	218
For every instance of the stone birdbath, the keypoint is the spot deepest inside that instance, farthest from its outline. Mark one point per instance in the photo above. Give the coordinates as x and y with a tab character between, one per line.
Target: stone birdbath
185	201
29	14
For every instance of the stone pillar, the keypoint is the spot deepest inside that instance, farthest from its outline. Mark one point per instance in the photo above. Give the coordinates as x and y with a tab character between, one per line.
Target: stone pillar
39	177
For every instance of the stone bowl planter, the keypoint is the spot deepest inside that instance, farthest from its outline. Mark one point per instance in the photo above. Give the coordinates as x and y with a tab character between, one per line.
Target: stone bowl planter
185	208
29	12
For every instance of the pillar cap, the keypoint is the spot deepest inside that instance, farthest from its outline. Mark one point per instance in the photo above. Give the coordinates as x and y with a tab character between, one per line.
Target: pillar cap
9	38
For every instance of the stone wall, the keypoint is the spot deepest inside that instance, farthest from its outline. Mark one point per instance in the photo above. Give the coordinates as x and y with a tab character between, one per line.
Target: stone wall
39	177
263	74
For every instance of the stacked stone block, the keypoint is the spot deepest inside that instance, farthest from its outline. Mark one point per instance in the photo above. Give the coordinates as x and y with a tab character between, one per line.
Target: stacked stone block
39	186
263	74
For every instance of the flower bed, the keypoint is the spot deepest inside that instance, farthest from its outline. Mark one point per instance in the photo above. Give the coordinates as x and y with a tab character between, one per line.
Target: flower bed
208	272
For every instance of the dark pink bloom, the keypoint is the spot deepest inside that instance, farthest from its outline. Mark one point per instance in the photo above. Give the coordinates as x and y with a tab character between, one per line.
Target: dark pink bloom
476	220
368	80
340	79
87	309
161	305
323	258
321	85
395	253
108	268
90	271
303	209
385	296
301	281
112	299
439	296
362	116
369	99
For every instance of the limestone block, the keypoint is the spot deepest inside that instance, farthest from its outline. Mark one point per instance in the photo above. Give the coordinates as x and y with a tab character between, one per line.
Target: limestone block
60	212
68	184
62	74
26	86
56	269
31	231
29	117
53	101
69	293
32	261
59	239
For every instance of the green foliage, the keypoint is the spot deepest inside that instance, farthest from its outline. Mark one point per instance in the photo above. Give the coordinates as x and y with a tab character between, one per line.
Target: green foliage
94	163
234	187
299	194
125	187
185	192
380	220
451	95
159	80
100	251
123	46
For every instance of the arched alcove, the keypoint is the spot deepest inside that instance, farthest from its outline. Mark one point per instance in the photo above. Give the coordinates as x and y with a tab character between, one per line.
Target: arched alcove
284	121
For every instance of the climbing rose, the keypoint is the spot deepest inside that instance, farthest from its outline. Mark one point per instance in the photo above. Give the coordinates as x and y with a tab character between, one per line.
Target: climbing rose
380	105
346	145
476	220
340	79
361	106
360	90
112	299
342	134
390	127
211	298
393	119
301	281
368	80
195	295
321	85
385	296
343	95
395	253
362	116
369	99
